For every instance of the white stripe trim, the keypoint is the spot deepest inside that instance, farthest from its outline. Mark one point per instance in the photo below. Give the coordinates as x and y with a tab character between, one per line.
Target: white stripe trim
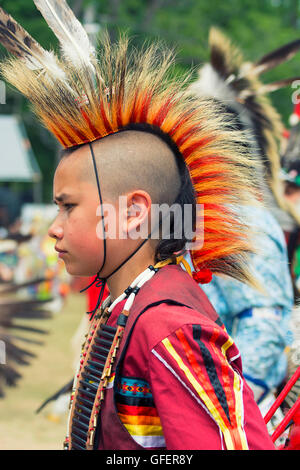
234	358
222	440
150	441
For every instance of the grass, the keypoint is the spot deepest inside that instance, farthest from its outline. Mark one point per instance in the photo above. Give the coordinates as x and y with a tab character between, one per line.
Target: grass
20	427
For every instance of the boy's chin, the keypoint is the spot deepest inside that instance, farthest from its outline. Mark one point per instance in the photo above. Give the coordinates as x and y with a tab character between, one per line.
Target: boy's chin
78	271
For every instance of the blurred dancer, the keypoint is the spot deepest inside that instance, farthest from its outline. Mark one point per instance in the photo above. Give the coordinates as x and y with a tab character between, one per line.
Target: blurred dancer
291	180
260	324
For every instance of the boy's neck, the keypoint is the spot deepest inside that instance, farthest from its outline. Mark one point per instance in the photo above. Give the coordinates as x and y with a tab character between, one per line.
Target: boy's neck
126	275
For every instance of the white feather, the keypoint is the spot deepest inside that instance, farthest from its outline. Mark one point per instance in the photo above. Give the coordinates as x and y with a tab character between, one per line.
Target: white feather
48	62
74	41
209	83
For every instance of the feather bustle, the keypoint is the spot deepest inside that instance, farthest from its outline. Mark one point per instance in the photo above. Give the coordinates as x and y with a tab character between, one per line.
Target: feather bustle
19	43
16	315
276	57
236	84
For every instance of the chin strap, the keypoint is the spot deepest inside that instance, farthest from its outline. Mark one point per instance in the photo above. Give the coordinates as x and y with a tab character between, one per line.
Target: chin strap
101	281
98	280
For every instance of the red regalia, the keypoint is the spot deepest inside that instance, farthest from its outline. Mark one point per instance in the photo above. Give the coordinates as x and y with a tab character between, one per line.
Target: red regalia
177	383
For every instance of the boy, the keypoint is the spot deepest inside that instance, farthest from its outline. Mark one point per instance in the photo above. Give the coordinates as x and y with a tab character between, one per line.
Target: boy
158	370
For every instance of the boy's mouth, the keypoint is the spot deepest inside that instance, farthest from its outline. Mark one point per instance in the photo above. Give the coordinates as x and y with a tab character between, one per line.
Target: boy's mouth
59	250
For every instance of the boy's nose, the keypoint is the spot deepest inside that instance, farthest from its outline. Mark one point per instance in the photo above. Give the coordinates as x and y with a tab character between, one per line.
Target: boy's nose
55	231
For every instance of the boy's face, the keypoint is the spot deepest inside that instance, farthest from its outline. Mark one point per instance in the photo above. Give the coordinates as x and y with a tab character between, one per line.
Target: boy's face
123	167
75	225
78	227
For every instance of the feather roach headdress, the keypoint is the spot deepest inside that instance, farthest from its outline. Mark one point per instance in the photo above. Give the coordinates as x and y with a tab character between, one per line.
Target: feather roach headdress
84	95
234	82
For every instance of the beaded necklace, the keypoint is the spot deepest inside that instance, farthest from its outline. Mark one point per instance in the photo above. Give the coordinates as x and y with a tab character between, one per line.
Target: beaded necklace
97	358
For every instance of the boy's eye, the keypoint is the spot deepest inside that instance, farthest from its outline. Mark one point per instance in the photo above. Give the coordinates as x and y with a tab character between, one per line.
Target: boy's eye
66	207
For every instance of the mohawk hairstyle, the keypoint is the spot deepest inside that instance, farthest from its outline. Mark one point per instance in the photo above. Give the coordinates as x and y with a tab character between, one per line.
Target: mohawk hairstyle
124	88
235	82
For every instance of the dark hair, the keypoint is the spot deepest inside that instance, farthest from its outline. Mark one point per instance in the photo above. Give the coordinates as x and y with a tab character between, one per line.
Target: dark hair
64	152
169	245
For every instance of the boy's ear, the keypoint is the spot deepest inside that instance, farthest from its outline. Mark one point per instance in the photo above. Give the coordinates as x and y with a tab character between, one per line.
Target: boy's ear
138	213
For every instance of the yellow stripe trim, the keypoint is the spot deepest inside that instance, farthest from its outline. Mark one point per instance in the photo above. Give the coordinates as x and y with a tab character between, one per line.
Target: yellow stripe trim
204	397
239	407
181	259
226	346
238	396
161	264
141	430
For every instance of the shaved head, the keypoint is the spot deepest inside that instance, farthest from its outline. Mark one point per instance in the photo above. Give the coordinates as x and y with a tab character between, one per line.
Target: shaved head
131	160
134	164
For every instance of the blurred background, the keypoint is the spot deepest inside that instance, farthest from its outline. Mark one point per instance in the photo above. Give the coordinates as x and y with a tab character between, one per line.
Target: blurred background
30	155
